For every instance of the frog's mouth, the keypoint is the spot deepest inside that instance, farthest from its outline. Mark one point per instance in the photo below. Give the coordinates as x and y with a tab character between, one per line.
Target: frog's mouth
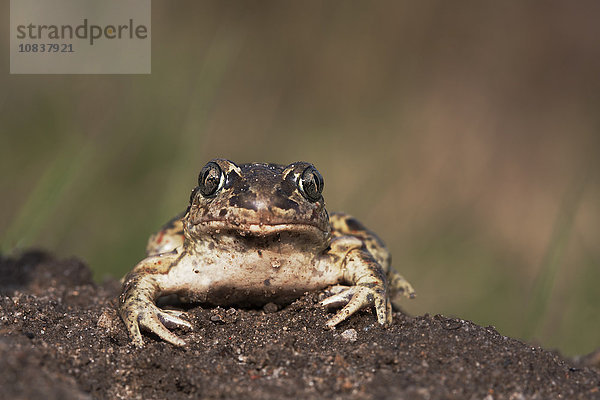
260	229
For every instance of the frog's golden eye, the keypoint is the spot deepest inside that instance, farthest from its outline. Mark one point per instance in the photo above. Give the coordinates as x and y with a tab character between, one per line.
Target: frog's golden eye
211	179
310	184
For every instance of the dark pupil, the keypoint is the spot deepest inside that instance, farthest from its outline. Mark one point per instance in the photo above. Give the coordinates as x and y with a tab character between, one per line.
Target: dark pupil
210	181
311	184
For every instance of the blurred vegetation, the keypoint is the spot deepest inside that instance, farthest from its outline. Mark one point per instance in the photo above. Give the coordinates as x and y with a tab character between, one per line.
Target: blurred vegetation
465	134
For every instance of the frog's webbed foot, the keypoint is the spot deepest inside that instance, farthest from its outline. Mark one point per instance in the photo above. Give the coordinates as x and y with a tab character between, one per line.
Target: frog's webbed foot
354	298
138	311
153	319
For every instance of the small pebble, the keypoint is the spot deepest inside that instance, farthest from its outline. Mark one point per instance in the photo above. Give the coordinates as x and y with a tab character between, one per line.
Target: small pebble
270	308
217	319
350	335
109	322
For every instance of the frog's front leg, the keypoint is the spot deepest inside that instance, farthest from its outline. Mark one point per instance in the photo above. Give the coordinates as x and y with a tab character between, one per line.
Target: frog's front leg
142	286
368	279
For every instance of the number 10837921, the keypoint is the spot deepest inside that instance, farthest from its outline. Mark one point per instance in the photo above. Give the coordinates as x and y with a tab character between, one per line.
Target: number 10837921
46	48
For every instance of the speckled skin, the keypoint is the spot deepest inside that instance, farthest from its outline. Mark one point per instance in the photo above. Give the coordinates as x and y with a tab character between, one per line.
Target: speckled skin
253	234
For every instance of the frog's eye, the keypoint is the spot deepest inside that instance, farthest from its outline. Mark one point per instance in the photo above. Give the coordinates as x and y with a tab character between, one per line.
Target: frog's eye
211	179
310	184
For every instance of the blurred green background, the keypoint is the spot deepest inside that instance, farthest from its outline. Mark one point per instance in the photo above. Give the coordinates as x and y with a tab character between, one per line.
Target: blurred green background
464	133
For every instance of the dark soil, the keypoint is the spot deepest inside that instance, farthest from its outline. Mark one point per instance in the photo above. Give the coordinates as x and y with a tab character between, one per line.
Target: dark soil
61	338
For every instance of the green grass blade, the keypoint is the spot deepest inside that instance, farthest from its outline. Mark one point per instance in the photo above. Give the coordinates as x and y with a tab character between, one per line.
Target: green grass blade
552	261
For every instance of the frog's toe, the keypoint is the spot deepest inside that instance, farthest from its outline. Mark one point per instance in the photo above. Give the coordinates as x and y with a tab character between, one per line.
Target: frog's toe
389	307
134	333
383	308
407	290
339	296
154	320
335	289
171	319
399	285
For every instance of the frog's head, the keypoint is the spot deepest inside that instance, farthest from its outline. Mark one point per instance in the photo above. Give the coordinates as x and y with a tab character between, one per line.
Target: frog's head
258	200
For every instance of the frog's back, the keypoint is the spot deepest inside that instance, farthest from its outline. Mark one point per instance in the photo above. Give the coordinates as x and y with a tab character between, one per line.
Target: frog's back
343	225
167	238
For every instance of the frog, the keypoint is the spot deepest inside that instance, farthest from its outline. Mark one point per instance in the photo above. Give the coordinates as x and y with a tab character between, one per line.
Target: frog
254	234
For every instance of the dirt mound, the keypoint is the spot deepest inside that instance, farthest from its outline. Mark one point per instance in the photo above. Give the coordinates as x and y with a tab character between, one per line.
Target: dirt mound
61	338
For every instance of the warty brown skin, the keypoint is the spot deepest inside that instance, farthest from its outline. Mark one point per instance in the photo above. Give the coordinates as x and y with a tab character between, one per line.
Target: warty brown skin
253	234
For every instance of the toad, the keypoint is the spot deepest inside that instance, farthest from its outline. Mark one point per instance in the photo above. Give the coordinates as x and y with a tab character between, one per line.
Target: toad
255	234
